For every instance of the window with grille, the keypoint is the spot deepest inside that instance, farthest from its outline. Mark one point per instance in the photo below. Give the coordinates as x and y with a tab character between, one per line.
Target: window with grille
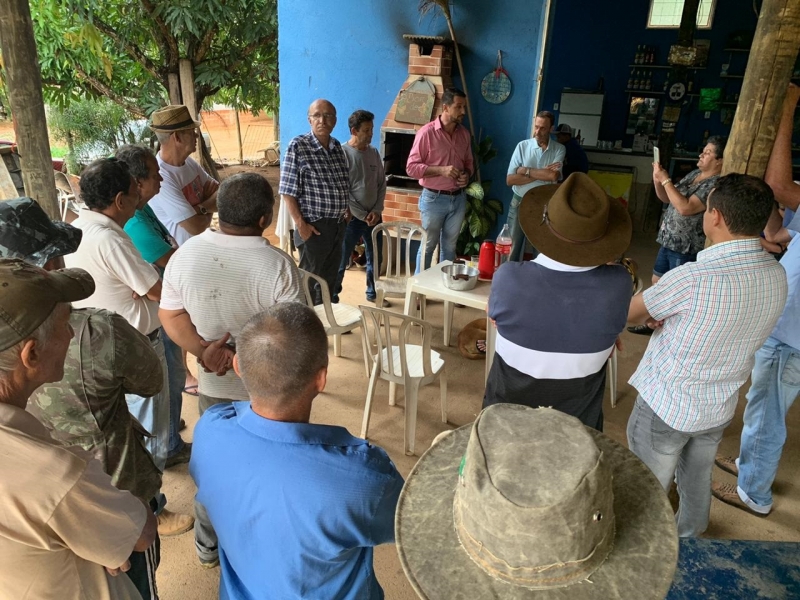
666	14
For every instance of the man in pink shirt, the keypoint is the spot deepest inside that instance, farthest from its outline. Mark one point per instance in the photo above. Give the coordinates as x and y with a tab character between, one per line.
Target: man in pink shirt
441	159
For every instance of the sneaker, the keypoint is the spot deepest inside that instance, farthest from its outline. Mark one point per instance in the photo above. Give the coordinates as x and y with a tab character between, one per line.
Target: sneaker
728	493
182	425
170	523
727	464
209	564
641	330
182	456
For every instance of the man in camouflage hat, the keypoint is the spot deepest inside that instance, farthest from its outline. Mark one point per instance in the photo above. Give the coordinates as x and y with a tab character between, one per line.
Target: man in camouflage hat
62	520
88	407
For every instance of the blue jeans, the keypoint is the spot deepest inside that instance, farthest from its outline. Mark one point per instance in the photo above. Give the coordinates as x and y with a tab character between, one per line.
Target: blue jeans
775	385
518	238
356	229
176	374
667	259
442	216
685	457
153	413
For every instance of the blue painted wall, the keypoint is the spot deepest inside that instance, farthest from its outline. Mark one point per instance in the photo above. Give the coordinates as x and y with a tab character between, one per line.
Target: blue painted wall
352	53
590	40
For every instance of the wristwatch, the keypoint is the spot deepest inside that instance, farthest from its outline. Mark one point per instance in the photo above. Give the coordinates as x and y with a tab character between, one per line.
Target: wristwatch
203	209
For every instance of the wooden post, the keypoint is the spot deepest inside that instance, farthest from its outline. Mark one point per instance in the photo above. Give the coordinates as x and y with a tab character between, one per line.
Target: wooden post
174	88
24	83
769	68
188	97
239	135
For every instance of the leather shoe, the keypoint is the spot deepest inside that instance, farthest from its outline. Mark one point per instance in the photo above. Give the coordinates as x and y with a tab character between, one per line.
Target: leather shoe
170	523
727	464
729	495
183	455
641	330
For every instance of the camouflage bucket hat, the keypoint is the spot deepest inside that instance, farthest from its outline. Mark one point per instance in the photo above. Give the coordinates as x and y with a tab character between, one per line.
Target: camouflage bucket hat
531	504
28	295
27	232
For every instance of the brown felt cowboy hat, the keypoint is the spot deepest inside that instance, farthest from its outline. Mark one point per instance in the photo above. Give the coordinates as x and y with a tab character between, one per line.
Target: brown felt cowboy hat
576	222
529	504
174	117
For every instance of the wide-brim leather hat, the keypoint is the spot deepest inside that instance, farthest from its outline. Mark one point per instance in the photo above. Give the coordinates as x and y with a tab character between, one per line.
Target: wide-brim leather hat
575	222
530	504
174	117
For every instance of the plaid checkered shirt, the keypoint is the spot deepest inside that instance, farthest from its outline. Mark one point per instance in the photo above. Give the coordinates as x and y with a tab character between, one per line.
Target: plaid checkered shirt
717	312
316	177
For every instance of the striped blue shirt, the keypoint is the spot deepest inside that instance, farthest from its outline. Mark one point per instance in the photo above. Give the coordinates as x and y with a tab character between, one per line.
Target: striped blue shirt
717	312
317	177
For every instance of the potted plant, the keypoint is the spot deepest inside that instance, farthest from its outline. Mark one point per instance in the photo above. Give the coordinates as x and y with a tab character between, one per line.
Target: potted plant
482	212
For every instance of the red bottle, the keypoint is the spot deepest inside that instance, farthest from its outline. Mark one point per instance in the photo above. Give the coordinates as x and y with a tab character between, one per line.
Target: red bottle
486	260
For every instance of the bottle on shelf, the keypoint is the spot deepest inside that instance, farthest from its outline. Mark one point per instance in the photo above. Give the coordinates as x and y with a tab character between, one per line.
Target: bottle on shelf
630	81
650	80
579	138
666	85
638	57
651	56
706	135
636	81
502	247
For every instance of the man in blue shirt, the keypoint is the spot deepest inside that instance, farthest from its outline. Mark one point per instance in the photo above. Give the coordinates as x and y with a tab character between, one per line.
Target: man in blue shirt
776	373
297	507
535	162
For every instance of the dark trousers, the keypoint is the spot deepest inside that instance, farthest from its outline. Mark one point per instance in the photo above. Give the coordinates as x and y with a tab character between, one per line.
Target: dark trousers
321	254
143	567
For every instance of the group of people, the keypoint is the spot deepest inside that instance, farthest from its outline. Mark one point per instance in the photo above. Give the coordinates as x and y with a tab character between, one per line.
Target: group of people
92	372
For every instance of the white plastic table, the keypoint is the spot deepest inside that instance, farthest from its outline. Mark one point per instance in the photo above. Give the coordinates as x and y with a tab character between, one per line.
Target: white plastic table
429	283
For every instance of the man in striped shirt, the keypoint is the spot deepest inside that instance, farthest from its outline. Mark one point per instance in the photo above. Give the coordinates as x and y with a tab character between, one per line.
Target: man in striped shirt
213	284
716	313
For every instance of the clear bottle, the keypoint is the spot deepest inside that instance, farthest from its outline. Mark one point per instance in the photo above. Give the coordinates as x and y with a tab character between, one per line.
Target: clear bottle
502	247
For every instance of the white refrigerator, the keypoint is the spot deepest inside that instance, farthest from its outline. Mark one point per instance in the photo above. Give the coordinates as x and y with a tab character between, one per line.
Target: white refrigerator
582	110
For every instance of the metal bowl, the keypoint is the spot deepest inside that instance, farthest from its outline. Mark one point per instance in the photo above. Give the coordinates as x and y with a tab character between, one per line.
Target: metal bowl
459	277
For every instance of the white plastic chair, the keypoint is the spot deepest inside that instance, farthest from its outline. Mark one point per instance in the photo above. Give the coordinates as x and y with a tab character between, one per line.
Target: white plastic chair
399	261
336	318
68	193
399	362
612	360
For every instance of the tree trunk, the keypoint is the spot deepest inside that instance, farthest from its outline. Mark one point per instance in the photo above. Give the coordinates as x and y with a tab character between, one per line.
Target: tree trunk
769	68
174	88
239	134
188	95
24	83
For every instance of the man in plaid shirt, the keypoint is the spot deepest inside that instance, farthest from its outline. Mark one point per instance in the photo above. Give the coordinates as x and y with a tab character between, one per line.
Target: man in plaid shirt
315	185
716	313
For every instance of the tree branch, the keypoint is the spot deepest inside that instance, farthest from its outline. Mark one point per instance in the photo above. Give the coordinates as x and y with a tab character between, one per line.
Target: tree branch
204	46
248	50
106	91
167	39
132	49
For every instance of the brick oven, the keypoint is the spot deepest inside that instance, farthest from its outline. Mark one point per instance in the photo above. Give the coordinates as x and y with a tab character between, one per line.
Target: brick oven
430	61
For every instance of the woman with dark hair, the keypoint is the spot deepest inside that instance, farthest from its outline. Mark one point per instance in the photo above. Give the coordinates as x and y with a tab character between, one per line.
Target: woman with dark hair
681	233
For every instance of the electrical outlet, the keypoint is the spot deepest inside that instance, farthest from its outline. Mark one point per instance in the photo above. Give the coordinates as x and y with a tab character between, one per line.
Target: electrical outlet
555	106
708	114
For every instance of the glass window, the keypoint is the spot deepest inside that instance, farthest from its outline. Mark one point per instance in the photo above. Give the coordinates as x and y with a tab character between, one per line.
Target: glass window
666	14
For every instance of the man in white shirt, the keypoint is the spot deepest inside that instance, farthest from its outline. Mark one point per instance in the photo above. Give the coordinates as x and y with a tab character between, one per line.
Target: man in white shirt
188	195
130	287
213	284
537	161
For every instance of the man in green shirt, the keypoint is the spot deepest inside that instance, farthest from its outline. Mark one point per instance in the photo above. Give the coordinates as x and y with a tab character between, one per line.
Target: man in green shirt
156	246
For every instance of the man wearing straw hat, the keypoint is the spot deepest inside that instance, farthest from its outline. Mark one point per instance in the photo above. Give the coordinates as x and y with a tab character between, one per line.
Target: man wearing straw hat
528	504
188	195
558	316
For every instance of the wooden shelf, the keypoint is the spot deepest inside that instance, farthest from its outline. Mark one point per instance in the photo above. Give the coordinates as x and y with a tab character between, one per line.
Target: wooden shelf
651	92
736	49
644	66
731	76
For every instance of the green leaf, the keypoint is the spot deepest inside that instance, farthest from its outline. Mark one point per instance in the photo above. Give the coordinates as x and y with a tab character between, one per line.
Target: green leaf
495	205
475	226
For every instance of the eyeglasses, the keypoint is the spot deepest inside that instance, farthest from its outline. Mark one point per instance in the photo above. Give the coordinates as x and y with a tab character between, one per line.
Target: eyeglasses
322	117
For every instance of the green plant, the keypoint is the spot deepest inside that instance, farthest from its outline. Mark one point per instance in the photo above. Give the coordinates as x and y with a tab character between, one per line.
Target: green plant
482	212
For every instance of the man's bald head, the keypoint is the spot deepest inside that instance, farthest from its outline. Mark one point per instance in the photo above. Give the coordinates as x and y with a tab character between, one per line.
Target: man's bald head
322	117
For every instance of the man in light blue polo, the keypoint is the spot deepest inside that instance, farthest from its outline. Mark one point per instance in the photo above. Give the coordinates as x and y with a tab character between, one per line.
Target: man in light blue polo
537	161
297	507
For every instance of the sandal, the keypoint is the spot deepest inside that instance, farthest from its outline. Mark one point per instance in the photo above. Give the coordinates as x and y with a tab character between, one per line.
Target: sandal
191	390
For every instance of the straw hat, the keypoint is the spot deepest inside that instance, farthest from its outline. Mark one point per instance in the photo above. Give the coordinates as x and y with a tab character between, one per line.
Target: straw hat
174	117
576	222
529	504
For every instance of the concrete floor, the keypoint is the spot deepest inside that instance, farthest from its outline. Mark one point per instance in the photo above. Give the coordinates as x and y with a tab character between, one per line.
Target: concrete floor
180	575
